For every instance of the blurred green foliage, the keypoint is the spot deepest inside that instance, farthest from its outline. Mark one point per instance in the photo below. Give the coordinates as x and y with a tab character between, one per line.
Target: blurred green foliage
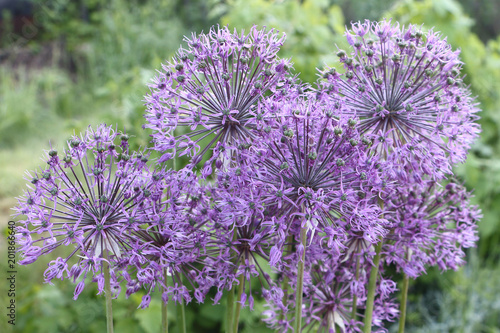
312	29
110	50
462	302
485	14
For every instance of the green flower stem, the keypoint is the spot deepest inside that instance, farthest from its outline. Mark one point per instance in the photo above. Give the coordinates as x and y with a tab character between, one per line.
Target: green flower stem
402	316
230	311
236	319
164	318
164	309
404	300
284	283
372	284
355	298
181	313
300	282
181	316
284	287
107	294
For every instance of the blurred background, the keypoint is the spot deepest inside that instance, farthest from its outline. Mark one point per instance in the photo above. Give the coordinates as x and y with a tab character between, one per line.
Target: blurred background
65	64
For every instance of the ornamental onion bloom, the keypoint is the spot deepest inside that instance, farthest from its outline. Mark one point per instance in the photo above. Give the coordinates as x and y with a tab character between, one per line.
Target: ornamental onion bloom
171	241
254	234
405	86
86	198
312	165
431	225
211	88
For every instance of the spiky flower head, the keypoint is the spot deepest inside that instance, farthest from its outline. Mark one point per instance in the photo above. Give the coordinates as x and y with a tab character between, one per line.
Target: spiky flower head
312	165
250	233
87	198
405	86
172	241
210	87
431	225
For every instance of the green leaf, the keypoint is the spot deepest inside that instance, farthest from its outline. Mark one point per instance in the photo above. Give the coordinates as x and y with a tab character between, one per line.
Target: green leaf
150	318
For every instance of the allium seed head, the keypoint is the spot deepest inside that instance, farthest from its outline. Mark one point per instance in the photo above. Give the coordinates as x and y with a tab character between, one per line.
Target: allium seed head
211	87
84	205
405	85
431	225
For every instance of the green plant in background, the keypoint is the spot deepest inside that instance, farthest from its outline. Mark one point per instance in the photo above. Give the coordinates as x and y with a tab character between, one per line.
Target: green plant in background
467	302
312	29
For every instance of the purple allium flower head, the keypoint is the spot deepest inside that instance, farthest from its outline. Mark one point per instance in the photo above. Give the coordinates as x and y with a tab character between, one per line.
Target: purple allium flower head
172	239
86	199
253	237
329	297
312	165
405	86
431	226
211	88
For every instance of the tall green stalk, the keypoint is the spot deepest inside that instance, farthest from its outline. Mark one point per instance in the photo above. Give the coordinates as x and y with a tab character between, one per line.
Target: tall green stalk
236	319
181	316
402	316
300	281
164	309
107	294
164	318
355	298
230	311
181	313
404	300
372	284
284	284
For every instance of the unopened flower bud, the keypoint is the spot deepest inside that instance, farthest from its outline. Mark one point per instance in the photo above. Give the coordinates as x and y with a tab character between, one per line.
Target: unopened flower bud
366	141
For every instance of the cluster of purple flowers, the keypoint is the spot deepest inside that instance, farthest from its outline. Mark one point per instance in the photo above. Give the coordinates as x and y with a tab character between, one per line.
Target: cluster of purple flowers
300	186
